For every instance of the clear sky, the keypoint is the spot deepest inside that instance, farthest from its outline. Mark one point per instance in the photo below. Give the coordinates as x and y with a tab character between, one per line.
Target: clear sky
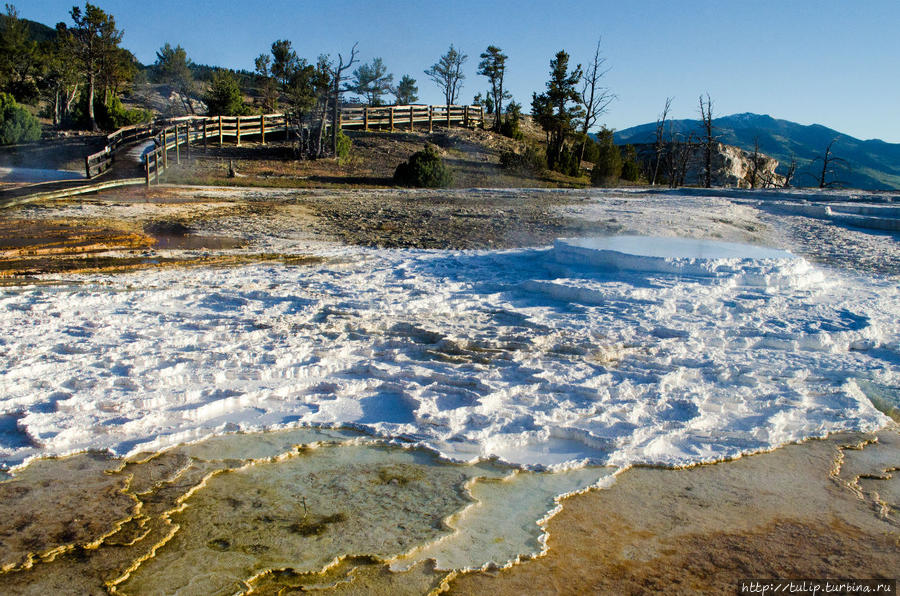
831	62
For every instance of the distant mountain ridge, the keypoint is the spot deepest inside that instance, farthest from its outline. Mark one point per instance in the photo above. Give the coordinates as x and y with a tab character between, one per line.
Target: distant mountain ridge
38	32
872	164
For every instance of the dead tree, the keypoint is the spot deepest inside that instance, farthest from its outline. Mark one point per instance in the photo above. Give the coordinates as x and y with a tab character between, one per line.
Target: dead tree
323	94
709	139
660	144
755	160
829	162
790	173
593	97
337	76
679	154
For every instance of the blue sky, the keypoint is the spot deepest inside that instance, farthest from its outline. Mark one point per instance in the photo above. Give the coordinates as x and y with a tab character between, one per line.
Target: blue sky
829	62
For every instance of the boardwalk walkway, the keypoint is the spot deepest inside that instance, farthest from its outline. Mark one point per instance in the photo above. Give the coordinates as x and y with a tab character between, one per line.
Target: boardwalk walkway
141	153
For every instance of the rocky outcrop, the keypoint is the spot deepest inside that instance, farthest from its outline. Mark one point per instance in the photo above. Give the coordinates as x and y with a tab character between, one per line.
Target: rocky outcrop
166	101
731	166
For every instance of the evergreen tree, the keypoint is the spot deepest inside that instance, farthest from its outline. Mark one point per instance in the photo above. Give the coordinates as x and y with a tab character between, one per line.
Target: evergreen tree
92	38
372	81
267	88
510	126
284	62
557	109
608	167
174	69
493	66
631	166
448	75
406	92
224	96
118	68
301	87
19	59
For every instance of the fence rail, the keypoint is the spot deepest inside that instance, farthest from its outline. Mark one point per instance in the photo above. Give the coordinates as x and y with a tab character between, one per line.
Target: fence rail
394	117
179	135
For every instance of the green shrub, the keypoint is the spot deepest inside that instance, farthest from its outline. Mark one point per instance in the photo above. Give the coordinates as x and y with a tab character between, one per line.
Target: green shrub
569	163
631	167
224	97
608	166
114	115
17	125
424	169
510	128
591	150
533	161
510	125
343	145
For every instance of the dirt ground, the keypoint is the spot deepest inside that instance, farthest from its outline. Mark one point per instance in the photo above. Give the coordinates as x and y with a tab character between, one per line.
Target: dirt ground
473	155
125	229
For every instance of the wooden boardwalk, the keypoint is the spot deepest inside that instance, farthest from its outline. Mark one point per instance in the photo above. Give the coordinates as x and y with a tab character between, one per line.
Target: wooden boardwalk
152	146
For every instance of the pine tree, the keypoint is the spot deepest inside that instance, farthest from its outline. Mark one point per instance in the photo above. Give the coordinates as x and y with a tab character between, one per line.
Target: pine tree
557	109
92	38
406	92
224	96
174	69
372	81
493	66
448	75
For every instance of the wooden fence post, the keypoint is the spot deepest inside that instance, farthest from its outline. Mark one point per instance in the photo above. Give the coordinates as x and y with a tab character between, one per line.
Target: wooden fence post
204	135
430	118
147	169
238	131
448	115
366	118
156	165
177	148
187	138
466	117
262	128
165	148
411	118
392	119
87	167
220	131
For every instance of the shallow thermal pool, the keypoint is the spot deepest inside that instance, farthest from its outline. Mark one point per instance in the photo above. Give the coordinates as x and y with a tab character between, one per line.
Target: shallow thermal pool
526	355
582	359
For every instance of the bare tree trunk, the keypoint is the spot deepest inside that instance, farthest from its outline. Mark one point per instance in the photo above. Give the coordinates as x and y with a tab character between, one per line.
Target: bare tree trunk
320	149
337	76
94	126
754	164
56	108
71	98
707	118
593	97
335	108
790	173
660	138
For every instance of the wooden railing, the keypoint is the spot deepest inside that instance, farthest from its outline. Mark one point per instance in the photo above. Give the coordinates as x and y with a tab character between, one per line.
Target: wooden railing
181	134
184	133
406	117
187	130
101	161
